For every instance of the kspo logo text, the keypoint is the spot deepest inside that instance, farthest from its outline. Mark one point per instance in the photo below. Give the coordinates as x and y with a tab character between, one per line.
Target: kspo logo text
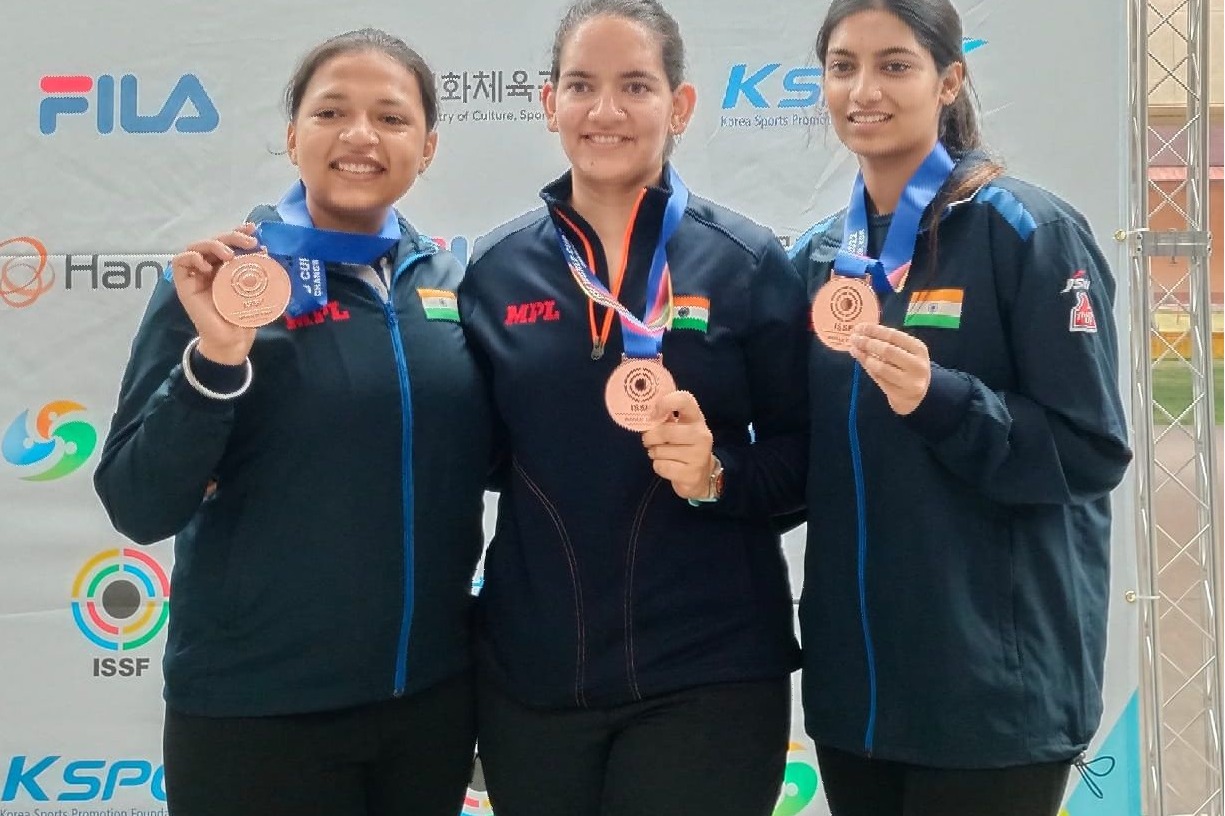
65	95
84	780
800	86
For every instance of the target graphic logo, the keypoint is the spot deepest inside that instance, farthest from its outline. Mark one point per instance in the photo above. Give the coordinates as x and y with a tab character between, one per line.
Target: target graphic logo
121	599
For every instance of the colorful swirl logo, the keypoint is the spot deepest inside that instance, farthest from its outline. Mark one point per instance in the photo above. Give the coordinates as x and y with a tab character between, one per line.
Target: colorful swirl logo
22	279
65	444
800	782
121	599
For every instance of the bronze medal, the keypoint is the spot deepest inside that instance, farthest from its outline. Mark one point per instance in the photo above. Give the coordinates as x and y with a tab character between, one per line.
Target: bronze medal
839	306
251	290
634	389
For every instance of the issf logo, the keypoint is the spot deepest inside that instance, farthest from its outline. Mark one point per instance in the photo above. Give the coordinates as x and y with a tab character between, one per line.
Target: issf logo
120	601
52	445
187	108
798	87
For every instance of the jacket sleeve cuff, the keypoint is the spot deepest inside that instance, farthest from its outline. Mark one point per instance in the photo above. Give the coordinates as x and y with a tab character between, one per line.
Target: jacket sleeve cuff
217	376
943	407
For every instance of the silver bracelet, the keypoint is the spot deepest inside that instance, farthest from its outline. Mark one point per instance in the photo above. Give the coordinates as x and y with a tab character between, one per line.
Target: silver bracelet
208	392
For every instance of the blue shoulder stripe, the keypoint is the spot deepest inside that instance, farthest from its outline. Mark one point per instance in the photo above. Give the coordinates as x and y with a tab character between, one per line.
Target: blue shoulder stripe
815	229
1008	206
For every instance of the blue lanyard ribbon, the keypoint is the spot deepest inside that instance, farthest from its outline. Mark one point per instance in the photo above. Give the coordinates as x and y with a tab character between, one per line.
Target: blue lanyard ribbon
642	338
888	273
304	250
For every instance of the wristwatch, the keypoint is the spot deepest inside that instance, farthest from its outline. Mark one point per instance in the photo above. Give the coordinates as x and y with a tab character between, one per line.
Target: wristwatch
716	480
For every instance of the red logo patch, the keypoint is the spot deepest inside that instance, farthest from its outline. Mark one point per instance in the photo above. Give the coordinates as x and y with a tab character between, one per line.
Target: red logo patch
332	312
1082	318
517	314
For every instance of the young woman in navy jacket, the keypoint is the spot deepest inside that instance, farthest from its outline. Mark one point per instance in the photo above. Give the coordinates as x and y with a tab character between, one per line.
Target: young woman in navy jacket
964	447
322	477
635	622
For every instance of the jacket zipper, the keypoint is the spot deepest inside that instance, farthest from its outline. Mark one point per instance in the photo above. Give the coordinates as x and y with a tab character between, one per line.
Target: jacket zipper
861	514
406	469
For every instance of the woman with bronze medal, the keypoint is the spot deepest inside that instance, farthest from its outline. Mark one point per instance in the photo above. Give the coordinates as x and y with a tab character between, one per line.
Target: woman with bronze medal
321	471
964	447
635	638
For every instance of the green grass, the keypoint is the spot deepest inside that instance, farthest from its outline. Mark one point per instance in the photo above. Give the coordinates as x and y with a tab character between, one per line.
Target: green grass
1172	390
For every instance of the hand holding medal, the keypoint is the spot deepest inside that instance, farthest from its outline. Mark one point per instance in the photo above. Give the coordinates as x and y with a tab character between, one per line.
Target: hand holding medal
194	271
680	445
896	361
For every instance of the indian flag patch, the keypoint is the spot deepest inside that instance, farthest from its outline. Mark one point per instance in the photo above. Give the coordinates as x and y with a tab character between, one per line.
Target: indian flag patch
439	304
935	308
690	312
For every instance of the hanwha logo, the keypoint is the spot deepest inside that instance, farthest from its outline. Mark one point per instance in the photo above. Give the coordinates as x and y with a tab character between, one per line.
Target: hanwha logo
24	273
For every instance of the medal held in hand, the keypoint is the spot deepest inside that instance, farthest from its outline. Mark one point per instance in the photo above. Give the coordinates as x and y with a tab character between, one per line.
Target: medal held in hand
251	290
841	305
633	391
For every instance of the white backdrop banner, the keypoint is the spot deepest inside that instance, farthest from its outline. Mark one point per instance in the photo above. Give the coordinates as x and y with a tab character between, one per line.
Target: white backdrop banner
129	133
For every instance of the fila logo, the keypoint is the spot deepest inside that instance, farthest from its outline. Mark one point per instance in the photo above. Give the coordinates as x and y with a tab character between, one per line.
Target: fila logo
531	312
332	312
187	109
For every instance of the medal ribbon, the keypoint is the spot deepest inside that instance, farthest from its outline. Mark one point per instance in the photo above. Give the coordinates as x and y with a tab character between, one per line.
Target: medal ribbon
641	337
888	273
303	250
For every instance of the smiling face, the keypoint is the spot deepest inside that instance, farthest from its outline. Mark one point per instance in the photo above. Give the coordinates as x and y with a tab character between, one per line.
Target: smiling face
359	139
612	103
884	91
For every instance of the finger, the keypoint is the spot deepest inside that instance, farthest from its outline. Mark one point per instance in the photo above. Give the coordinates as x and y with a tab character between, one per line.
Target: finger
239	238
676	433
883	351
681	406
212	250
190	263
681	476
888	377
682	454
891	336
